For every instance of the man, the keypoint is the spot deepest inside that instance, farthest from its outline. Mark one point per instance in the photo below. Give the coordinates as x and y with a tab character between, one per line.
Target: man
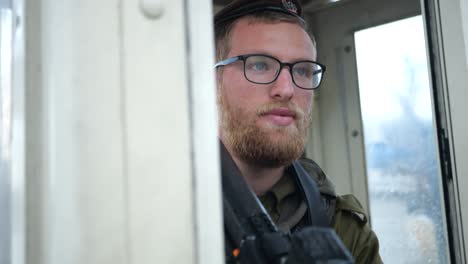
266	76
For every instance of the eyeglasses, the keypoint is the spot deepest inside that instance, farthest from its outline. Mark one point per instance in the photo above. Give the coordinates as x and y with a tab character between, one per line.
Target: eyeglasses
264	69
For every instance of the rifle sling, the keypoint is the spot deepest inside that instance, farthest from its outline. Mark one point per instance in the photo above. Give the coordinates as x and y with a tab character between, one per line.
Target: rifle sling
316	212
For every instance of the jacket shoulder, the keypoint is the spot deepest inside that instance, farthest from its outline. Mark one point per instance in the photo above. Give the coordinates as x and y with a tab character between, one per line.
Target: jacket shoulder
348	217
316	173
351	224
350	204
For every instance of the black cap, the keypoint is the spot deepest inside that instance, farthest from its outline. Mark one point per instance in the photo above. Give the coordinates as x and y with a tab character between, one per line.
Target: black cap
240	8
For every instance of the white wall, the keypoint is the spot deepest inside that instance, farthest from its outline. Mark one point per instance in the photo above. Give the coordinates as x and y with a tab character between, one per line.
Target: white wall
114	173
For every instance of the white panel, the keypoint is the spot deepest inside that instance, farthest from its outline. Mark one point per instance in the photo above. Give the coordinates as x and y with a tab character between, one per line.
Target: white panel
74	153
35	133
313	145
18	203
6	133
349	92
121	134
157	118
464	17
455	52
205	144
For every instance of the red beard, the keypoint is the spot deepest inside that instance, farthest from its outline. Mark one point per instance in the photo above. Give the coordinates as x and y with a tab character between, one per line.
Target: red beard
268	147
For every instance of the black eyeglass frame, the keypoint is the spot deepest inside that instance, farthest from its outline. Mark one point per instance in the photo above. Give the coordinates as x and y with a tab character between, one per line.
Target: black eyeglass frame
282	64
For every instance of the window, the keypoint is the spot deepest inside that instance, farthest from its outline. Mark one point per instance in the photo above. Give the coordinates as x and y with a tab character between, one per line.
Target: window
405	193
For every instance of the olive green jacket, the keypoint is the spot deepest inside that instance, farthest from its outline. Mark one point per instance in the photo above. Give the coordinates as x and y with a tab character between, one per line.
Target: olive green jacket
348	218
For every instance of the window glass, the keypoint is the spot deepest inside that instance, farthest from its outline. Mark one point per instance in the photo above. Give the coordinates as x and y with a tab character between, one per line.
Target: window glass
404	183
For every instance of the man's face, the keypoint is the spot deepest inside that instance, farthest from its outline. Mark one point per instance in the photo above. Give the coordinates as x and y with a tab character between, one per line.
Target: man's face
265	124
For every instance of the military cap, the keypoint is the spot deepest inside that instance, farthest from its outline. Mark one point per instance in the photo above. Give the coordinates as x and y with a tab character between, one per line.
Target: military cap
239	8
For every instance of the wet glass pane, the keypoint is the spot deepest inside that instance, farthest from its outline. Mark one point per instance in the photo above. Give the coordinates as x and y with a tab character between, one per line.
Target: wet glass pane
405	193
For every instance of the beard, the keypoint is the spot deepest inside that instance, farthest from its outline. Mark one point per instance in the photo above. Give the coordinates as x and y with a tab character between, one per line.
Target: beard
269	146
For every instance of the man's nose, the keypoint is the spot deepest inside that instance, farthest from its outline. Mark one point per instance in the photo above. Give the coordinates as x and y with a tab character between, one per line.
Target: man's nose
283	87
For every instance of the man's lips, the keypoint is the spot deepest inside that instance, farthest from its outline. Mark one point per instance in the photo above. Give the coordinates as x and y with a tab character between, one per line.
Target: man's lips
281	112
280	116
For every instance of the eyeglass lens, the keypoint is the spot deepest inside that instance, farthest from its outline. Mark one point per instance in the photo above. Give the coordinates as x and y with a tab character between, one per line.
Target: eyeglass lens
263	69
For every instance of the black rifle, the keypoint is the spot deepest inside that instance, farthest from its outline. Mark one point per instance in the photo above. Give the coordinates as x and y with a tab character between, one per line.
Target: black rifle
253	238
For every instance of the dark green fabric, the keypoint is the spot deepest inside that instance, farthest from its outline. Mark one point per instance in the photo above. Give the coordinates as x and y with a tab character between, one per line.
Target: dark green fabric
349	218
270	202
324	184
350	223
283	194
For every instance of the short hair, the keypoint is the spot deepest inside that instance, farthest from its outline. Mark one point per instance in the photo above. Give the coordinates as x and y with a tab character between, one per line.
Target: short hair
223	30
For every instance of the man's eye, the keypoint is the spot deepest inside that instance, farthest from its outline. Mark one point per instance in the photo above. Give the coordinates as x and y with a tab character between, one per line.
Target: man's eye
301	71
258	66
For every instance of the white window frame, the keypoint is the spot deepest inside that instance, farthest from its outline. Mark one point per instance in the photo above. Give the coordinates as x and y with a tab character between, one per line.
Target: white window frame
448	46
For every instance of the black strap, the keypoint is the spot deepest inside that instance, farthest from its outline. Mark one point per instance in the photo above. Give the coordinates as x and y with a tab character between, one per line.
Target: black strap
317	215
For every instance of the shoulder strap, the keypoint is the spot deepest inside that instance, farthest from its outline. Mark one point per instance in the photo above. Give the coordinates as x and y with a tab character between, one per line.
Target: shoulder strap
317	215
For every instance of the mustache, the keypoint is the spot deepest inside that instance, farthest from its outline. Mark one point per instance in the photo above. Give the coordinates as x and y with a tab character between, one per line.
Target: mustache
294	108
